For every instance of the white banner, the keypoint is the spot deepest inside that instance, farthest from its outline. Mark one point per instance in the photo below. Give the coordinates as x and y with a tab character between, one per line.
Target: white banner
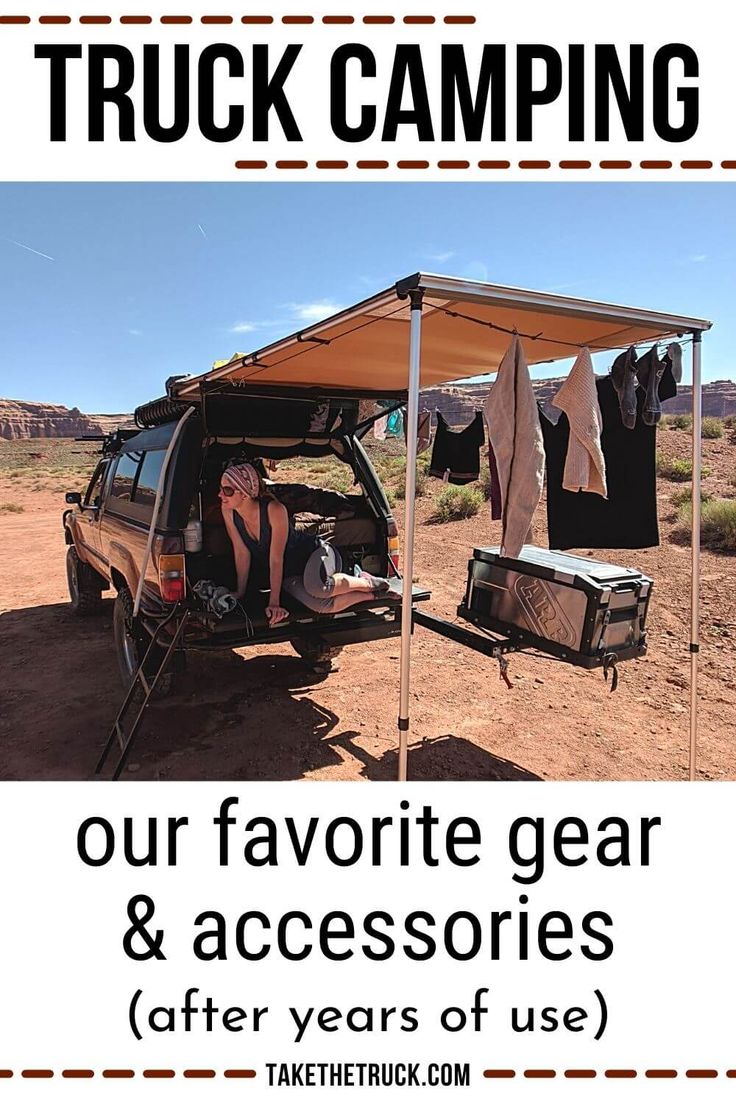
425	91
380	939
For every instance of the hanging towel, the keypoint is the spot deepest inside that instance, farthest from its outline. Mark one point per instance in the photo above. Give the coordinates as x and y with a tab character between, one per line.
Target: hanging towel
516	440
585	468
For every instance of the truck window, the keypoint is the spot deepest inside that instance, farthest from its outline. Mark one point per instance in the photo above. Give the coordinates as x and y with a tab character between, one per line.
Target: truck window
92	497
125	473
148	477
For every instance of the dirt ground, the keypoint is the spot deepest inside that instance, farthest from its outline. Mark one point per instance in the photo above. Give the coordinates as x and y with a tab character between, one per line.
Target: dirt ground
261	714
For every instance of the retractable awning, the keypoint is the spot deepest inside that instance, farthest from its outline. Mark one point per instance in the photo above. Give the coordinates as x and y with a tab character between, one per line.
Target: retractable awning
365	346
428	330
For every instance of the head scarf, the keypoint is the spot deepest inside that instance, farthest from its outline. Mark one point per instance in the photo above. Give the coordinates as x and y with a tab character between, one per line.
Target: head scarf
244	477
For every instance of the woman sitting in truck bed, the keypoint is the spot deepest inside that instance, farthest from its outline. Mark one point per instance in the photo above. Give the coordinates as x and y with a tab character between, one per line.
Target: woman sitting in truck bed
299	563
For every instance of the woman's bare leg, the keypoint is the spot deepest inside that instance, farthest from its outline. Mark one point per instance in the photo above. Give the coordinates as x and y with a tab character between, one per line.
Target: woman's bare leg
343	584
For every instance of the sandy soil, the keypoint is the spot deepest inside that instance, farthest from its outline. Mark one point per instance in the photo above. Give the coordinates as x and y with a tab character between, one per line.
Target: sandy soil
260	713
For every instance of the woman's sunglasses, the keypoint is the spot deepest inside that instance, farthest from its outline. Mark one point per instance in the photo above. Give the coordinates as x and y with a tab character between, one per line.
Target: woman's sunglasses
227	490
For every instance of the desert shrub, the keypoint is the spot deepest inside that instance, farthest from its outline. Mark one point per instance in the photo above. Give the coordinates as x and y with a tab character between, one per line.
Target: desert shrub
711	429
453	503
679	498
730	421
390	496
717	523
677	470
11	508
421	485
678	421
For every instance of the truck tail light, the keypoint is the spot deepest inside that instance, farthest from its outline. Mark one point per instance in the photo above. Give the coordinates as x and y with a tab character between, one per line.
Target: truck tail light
172	578
394	546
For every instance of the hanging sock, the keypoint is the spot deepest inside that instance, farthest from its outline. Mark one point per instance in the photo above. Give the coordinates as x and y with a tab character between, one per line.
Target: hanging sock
623	378
585	468
674	357
649	371
516	440
379	428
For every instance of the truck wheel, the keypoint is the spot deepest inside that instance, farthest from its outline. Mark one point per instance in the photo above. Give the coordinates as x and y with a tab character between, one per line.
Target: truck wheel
131	643
85	585
316	652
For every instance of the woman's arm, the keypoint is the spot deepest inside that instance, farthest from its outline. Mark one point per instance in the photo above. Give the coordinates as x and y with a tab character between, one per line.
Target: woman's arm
240	552
279	521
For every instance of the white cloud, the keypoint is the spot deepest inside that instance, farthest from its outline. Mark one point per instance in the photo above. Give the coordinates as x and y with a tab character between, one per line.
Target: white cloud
440	257
243	327
698	258
314	312
136	333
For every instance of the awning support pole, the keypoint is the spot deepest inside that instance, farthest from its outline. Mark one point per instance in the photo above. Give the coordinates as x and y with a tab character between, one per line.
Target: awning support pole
697	409
412	418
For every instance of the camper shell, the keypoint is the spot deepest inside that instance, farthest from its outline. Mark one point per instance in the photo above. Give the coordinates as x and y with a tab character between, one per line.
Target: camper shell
108	528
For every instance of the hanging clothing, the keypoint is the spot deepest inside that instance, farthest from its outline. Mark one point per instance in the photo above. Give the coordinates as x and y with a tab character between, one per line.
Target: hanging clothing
674	355
379	428
649	371
623	378
456	453
585	468
424	431
395	424
516	440
628	517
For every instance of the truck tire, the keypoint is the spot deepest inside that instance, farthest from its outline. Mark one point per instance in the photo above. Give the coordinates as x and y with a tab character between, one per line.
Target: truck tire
316	652
131	642
85	586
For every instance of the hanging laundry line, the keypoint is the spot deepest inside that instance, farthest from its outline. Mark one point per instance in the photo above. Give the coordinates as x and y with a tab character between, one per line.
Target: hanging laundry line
660	338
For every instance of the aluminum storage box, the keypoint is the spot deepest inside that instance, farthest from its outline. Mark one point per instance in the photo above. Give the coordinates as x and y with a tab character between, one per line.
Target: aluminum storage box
578	609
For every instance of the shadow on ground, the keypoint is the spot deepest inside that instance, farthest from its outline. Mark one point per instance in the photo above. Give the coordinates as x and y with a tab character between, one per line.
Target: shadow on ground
234	716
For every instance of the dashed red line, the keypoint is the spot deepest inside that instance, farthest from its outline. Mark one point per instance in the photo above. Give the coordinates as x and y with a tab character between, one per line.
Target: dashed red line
78	1073
95	20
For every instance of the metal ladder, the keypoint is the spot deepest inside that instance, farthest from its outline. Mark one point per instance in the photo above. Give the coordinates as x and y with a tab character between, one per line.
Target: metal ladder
148	684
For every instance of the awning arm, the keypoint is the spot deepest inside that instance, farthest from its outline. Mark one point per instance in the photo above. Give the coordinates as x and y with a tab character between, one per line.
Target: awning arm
412	419
697	448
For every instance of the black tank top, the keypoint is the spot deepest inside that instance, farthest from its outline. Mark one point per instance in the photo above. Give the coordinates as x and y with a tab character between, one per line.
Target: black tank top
299	547
456	453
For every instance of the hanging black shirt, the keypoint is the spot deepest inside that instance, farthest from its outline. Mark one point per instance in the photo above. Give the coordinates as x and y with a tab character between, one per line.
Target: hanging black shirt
456	453
628	517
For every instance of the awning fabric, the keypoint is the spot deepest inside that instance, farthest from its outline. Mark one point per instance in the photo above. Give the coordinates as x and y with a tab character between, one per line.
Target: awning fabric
365	347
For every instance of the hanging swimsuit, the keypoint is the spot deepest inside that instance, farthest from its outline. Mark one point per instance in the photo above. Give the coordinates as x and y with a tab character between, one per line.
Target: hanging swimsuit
456	453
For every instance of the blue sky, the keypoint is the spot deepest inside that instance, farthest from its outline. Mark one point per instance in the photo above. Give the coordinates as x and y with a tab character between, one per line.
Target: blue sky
107	289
